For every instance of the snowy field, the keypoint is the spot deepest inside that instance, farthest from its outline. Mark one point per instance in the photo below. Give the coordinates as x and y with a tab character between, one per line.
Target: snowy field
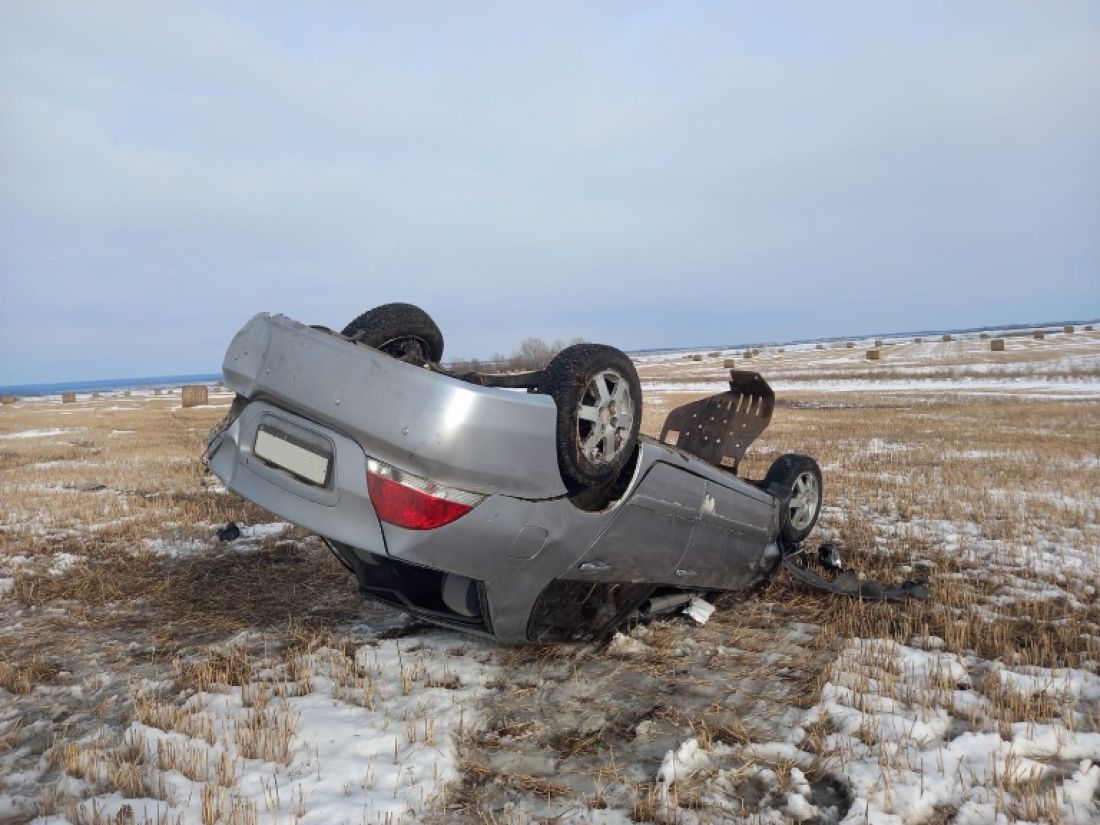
152	674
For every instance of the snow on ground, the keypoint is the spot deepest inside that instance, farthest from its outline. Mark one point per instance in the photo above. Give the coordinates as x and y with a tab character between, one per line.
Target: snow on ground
327	738
915	734
175	547
250	537
914	738
60	562
47	433
1040	388
261	531
741	719
1059	366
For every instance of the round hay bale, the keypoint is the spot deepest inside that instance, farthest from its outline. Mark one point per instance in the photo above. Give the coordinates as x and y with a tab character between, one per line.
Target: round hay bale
7	399
946	338
983	335
748	353
918	340
997	345
874	355
850	344
713	354
728	364
697	357
1067	329
878	342
819	346
68	398
1038	335
1087	328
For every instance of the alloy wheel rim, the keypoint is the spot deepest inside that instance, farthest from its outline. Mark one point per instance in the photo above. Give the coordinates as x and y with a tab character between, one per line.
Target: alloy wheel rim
805	499
605	417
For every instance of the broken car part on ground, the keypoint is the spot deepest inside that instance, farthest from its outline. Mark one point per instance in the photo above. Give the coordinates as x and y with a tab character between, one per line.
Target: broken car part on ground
533	515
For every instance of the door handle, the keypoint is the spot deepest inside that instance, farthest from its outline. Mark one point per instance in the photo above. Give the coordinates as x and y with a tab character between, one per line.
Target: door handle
686	572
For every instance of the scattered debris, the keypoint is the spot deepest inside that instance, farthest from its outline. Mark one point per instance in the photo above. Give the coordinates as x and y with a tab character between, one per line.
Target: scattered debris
699	609
849	583
231	532
829	558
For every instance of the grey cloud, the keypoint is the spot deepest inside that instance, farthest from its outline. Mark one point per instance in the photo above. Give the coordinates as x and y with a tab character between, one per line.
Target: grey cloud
643	174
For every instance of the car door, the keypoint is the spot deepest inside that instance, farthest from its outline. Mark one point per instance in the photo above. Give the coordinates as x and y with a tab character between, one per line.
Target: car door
729	540
650	533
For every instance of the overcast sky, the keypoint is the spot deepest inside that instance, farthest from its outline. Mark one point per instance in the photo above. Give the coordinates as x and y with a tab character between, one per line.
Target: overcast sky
640	174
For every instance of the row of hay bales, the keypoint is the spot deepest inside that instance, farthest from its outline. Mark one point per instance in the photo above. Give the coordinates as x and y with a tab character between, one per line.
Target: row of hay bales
192	395
727	363
1041	334
731	363
998	344
995	345
1068	329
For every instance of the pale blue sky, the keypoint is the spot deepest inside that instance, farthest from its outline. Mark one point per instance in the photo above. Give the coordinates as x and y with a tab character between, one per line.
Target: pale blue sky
643	174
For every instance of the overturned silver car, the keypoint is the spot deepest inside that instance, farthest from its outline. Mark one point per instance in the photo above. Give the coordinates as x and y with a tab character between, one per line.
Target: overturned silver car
524	507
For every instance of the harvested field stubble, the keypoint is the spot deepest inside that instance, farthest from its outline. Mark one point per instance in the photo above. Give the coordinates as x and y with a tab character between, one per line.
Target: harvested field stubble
138	654
987	490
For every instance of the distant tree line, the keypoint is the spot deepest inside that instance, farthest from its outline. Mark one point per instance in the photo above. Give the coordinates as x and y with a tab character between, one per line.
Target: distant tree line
532	354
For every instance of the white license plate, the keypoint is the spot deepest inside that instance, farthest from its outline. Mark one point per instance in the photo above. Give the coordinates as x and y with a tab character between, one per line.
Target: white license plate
281	452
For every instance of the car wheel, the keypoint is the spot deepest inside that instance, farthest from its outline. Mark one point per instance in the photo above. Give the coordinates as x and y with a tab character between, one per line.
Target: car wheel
796	481
599	400
404	331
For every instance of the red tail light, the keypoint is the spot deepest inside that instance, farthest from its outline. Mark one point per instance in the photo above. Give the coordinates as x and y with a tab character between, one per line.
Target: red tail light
412	502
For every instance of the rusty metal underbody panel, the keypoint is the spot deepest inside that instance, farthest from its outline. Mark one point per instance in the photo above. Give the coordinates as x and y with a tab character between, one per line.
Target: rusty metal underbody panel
720	429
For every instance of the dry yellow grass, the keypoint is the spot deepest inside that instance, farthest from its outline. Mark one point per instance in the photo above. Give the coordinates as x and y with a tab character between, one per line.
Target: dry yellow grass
23	675
107	538
987	496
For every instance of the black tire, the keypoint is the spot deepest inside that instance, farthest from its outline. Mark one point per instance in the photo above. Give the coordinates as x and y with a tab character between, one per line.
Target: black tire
574	380
404	331
796	481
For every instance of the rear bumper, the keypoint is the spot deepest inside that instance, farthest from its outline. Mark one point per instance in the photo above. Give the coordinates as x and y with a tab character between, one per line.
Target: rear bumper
340	510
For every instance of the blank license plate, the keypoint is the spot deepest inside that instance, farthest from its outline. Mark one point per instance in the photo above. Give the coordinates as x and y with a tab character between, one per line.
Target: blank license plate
278	449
